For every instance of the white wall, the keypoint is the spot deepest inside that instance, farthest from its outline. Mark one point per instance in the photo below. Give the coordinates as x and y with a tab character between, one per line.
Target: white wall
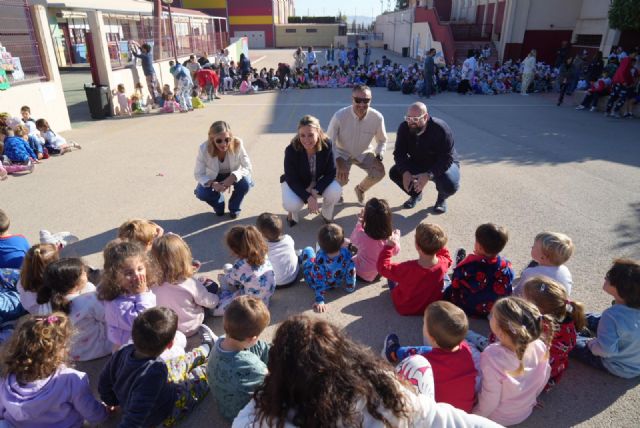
561	14
422	40
396	28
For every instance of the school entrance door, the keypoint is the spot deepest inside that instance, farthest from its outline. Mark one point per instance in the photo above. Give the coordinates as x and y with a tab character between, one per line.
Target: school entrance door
256	39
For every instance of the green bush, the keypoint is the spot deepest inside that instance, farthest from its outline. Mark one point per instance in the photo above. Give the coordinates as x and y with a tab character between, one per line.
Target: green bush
625	15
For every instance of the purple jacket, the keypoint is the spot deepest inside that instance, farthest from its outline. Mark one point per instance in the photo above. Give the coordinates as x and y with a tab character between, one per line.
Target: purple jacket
120	312
63	400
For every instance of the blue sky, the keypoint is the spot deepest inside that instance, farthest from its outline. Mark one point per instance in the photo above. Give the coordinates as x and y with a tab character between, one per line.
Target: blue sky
331	7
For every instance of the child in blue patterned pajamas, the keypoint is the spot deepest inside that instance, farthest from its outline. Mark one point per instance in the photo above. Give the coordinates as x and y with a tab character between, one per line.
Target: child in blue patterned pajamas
251	274
332	267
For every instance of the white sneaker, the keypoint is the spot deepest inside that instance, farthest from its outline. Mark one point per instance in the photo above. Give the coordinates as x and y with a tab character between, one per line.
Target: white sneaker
580	107
592	109
60	239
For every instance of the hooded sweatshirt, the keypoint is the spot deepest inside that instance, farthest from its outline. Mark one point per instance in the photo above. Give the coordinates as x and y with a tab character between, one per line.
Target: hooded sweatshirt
63	400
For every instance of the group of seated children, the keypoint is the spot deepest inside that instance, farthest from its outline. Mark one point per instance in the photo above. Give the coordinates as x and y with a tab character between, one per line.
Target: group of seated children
148	299
135	104
24	142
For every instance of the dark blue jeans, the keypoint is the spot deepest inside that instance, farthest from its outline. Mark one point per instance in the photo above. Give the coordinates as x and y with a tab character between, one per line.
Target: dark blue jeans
581	351
447	184
216	199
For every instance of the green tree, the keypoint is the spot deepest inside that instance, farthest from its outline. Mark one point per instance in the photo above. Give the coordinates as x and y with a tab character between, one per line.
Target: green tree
402	4
625	15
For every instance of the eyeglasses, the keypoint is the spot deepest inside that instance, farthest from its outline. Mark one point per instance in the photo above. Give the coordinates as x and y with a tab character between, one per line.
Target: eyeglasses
221	140
361	100
414	119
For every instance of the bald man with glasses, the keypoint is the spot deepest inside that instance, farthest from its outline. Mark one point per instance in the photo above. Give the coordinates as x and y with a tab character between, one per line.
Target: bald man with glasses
352	130
425	152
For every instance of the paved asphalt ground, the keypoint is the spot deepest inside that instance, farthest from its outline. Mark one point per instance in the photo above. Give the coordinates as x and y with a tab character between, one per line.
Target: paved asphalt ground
526	164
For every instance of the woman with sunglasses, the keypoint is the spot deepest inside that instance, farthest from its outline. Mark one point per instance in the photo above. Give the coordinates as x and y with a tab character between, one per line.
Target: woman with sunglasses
222	163
309	173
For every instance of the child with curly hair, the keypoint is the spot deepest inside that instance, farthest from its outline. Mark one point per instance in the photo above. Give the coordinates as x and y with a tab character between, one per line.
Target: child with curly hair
37	387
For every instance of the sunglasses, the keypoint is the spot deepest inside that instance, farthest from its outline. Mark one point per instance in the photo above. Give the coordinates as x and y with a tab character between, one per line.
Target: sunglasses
361	100
414	119
221	140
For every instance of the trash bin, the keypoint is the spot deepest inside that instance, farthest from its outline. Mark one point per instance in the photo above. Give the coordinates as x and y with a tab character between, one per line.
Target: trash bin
385	46
405	52
98	100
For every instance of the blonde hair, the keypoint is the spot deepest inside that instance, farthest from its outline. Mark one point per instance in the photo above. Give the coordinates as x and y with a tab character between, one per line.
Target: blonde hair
138	230
247	243
219	127
523	323
312	121
551	299
38	346
430	238
557	247
35	262
173	257
21	130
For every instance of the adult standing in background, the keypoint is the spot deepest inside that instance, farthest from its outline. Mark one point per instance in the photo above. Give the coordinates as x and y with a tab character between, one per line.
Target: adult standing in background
342	56
352	130
204	59
223	62
331	54
469	67
367	55
146	58
244	64
425	152
222	163
311	60
184	85
528	71
429	73
355	56
299	58
193	65
309	173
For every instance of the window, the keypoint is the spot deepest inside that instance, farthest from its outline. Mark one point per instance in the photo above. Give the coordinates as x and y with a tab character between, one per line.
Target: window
588	40
312	30
19	53
289	30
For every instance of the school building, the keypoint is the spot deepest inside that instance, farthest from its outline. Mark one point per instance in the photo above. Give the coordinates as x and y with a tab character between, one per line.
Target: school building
254	19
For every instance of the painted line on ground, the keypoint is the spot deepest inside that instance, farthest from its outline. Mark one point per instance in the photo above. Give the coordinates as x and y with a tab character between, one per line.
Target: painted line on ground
259	59
375	105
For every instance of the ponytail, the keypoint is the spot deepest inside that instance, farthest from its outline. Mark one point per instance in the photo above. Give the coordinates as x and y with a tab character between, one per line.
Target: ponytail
577	314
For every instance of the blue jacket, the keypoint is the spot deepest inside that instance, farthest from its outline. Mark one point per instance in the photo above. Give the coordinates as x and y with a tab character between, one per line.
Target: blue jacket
17	149
179	71
618	340
298	175
147	62
139	387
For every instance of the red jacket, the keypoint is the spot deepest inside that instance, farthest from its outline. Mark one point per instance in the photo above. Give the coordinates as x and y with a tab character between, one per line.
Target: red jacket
207	75
417	286
623	74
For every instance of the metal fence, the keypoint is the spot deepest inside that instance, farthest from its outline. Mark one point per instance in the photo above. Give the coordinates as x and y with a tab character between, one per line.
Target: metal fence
19	51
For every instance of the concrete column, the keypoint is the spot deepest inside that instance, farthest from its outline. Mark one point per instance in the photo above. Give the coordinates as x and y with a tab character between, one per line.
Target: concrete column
98	34
610	39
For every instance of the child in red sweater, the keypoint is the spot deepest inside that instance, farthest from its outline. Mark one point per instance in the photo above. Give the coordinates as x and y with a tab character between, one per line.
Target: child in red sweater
454	374
417	283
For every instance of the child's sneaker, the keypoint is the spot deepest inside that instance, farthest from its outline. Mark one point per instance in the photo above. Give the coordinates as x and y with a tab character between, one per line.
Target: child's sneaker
75	145
580	107
460	255
60	239
477	340
593	109
209	338
391	346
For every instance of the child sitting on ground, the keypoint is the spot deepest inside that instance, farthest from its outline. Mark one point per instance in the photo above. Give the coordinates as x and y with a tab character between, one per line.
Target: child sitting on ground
170	105
281	250
372	230
37	388
483	277
445	326
515	369
551	299
178	290
550	252
67	289
251	273
123	108
32	276
196	102
16	149
32	141
13	248
332	267
151	391
415	284
239	363
616	345
141	231
55	144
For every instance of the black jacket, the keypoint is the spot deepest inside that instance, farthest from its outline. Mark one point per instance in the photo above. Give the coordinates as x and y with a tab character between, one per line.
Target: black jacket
298	175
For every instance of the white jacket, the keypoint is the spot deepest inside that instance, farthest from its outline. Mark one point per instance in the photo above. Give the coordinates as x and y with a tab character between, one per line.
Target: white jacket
208	167
425	412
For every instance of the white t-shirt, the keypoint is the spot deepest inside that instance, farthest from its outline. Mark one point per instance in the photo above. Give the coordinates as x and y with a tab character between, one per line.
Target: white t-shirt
284	260
559	273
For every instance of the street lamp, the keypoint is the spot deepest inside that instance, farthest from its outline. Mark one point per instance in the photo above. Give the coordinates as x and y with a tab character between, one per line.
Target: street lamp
173	36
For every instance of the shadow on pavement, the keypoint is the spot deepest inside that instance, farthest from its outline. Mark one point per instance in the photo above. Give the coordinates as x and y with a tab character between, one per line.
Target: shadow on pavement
629	232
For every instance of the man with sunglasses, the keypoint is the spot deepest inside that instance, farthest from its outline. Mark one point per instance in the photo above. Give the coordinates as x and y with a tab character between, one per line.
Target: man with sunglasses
425	152
352	130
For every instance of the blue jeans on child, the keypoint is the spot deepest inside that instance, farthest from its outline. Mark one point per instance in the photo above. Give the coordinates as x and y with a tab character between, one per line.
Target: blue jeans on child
10	307
581	351
216	199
